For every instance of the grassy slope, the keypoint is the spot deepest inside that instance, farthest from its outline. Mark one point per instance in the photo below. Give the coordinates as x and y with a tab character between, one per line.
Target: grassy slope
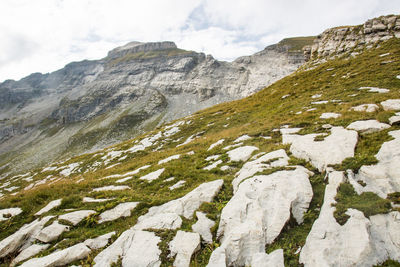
257	116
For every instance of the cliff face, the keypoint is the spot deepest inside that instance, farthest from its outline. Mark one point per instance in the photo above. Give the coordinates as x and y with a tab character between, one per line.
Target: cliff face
91	104
352	39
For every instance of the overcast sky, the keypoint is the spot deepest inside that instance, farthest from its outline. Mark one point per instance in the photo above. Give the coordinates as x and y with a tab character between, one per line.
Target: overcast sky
44	35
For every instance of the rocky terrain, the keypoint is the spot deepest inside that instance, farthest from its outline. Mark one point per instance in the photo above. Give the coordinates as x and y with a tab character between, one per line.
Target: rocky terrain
302	173
91	104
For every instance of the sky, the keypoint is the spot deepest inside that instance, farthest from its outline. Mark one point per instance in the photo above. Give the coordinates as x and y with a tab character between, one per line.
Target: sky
45	35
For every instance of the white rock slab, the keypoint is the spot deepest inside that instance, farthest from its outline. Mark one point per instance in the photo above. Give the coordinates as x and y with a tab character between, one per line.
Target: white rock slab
316	96
366	108
23	237
203	227
263	259
99	242
289	130
330	115
183	246
218	143
167	216
259	210
136	248
51	232
177	185
218	258
95	200
174	157
29	252
60	258
391	104
383	177
394	120
359	242
320	102
76	217
242	138
111	188
6	214
273	159
368	126
375	89
213	157
213	165
153	175
52	204
232	146
123	180
241	153
121	210
340	144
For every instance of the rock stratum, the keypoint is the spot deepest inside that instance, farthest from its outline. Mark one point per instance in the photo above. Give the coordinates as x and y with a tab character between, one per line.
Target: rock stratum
302	173
88	105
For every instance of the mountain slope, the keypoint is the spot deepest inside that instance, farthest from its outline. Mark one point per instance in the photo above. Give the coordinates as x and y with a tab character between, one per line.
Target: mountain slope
278	179
91	104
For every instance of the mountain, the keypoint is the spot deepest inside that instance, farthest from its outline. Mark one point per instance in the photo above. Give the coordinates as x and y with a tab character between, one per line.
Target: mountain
303	172
88	105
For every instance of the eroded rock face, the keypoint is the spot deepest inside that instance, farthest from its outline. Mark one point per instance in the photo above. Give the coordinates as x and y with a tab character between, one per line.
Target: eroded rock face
203	227
183	246
259	210
340	144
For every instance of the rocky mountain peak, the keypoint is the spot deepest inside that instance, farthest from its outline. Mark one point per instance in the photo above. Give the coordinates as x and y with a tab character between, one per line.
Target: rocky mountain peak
136	47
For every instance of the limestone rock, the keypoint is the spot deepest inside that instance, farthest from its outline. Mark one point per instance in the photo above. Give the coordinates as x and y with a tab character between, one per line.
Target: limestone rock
263	259
121	210
241	153
242	138
23	237
272	159
213	165
111	188
183	246
136	248
29	252
394	120
177	185
51	205
203	227
153	175
219	142
174	157
340	144
51	232
6	214
368	126
391	104
375	89
366	108
383	177
99	242
95	200
60	258
76	217
167	216
259	210
218	258
329	115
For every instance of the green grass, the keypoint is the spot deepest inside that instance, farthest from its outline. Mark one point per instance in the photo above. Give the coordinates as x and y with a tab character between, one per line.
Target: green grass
296	44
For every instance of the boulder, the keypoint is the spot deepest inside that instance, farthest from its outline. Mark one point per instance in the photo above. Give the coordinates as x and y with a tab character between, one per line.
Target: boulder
368	126
203	227
60	258
167	216
29	252
23	237
99	242
136	248
391	104
263	259
330	115
340	144
272	159
6	214
121	210
366	108
51	205
76	217
259	210
183	246
51	232
241	153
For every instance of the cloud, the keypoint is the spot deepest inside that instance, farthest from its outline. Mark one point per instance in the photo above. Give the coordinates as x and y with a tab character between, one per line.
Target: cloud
44	35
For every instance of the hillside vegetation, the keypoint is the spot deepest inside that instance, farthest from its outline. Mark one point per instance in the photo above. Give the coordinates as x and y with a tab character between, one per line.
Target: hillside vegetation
260	116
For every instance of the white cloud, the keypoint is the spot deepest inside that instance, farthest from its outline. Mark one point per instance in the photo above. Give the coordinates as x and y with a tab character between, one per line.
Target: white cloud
44	35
